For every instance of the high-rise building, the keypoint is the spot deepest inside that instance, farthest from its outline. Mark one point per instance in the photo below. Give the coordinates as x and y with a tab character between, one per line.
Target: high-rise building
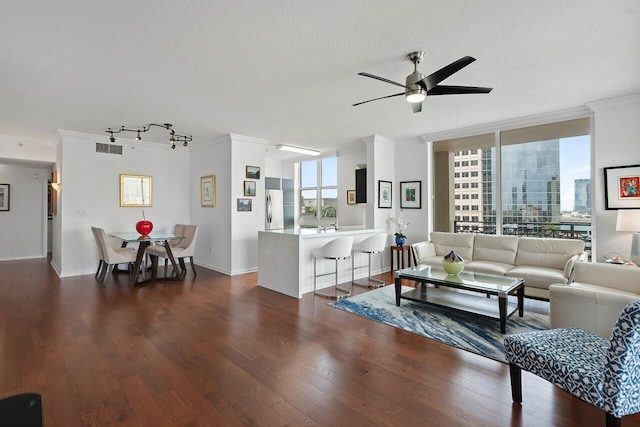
582	196
531	182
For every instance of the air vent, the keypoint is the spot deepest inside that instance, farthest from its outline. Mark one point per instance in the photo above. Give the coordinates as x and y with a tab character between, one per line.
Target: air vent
108	148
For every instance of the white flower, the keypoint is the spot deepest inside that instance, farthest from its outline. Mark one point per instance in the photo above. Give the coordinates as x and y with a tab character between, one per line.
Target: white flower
400	223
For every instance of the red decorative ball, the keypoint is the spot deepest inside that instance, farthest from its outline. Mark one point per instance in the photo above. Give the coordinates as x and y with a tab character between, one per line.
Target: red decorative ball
144	227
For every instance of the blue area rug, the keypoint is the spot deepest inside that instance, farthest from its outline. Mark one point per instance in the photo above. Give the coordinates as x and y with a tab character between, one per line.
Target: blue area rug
467	331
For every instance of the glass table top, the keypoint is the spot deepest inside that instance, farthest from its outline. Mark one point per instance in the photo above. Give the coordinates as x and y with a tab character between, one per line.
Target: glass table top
466	279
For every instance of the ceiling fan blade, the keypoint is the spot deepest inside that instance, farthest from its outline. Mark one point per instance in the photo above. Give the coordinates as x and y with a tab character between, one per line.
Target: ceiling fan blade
457	90
382	79
382	97
434	78
417	106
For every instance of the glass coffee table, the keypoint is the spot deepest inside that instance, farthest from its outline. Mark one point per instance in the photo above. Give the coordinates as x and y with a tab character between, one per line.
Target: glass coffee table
486	284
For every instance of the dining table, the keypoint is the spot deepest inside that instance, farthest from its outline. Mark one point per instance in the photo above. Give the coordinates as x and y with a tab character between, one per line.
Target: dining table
144	241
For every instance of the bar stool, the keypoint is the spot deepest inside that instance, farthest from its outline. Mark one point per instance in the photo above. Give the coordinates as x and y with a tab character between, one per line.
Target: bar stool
371	245
336	249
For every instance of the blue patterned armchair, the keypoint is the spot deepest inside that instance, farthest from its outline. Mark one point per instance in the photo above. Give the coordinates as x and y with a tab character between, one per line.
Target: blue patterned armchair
603	373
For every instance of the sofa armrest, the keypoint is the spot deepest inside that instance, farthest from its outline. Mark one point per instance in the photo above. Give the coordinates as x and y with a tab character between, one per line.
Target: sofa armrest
568	267
422	250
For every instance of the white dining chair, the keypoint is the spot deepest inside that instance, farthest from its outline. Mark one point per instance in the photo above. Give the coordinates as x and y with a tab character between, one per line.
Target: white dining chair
184	249
94	231
114	256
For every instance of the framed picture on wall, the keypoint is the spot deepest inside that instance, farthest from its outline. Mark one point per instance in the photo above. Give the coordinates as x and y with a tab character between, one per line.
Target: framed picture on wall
250	188
411	195
384	194
351	197
622	187
208	191
4	197
244	205
135	190
253	172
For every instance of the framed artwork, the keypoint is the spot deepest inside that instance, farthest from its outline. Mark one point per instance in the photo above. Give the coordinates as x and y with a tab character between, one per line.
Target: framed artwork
208	191
4	197
622	187
411	195
351	197
253	172
384	194
250	188
135	190
244	205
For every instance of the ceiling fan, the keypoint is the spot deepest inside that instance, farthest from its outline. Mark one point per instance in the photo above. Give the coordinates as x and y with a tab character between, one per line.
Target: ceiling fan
418	86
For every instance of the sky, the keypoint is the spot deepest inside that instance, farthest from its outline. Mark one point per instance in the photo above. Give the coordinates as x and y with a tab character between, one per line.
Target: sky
575	163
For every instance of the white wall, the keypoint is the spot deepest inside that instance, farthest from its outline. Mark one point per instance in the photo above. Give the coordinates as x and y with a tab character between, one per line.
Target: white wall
245	225
13	147
24	227
617	130
214	224
412	164
90	194
350	215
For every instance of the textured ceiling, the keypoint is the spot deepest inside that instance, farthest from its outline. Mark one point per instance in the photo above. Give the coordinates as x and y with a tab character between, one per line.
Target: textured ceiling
286	71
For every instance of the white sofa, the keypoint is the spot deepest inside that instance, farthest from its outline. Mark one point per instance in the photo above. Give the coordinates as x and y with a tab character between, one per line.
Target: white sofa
596	297
539	261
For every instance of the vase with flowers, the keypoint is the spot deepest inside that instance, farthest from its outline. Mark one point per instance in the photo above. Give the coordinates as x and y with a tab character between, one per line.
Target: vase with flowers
401	225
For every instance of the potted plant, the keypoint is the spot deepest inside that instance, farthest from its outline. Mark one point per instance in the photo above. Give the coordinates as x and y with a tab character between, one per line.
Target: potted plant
401	225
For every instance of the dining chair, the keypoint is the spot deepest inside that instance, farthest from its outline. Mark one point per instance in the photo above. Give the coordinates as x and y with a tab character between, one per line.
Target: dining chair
113	256
184	249
94	230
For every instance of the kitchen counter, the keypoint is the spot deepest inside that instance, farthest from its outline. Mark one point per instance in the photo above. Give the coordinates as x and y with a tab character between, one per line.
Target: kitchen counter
285	258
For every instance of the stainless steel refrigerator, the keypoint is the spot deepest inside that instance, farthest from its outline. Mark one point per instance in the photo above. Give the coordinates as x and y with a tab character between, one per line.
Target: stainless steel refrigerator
279	209
274	210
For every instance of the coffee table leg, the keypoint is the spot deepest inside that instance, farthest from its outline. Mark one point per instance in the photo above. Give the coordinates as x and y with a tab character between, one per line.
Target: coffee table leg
502	304
521	301
398	282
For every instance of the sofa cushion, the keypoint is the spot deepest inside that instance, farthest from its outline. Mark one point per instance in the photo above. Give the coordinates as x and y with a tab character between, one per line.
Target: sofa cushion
488	267
460	243
501	249
537	277
548	253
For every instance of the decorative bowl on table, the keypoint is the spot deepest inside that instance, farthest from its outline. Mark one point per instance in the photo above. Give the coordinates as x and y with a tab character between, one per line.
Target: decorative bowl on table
453	263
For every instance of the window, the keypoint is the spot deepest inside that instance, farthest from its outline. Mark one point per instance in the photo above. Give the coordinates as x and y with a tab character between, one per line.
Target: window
456	175
319	192
545	177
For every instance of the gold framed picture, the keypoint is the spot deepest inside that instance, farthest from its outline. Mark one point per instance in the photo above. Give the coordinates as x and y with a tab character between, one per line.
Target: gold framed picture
208	191
351	197
135	190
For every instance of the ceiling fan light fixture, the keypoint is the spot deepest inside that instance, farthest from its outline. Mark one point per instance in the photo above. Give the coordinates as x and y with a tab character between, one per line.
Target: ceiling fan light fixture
416	96
299	150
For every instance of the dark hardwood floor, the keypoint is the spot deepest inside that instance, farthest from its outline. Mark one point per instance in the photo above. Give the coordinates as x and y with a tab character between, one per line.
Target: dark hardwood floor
218	350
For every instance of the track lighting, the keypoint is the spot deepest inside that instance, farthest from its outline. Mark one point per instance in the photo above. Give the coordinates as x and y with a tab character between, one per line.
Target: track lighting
174	137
